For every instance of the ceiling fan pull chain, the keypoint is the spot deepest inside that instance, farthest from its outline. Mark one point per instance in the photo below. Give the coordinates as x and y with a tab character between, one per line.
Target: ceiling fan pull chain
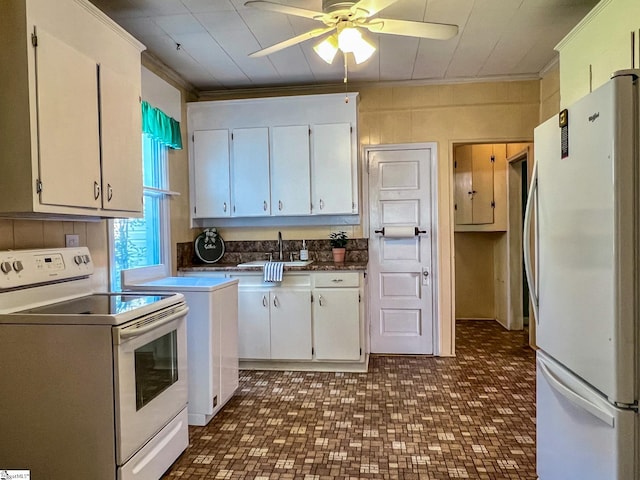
346	92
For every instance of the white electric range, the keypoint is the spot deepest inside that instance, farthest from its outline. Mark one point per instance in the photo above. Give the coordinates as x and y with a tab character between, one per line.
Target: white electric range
94	385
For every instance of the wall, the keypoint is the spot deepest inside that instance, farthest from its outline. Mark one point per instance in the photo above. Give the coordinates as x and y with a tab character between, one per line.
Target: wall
22	234
550	93
446	114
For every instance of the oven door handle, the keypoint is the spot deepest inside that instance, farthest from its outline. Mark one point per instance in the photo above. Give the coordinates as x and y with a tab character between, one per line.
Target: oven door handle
124	333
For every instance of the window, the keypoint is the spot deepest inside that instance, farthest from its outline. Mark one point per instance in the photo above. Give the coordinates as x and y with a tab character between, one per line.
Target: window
142	242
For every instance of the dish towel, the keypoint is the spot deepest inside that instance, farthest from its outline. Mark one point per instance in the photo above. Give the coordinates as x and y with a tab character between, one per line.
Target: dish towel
273	271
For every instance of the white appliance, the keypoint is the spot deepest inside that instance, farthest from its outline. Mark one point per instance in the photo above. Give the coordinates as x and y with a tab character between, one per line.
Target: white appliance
94	385
212	334
586	198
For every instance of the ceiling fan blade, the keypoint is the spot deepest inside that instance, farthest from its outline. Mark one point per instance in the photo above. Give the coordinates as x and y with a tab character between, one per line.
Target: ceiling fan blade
286	9
292	41
437	31
372	6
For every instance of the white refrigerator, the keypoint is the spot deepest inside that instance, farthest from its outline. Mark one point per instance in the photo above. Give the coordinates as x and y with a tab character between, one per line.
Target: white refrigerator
584	201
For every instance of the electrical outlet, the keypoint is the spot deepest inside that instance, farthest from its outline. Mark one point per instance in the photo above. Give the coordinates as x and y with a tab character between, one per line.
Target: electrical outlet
72	240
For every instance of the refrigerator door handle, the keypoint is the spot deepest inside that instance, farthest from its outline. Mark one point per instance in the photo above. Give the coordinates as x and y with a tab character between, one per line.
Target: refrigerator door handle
526	236
573	397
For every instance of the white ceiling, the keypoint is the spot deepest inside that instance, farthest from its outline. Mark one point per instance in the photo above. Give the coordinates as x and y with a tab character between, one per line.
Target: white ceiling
497	38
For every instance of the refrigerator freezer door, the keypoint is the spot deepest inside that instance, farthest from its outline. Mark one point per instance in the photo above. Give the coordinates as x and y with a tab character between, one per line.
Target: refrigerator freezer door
579	434
585	231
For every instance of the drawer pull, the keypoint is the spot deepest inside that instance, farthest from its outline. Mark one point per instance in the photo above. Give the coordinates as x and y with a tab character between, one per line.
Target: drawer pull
320	298
337	280
264	300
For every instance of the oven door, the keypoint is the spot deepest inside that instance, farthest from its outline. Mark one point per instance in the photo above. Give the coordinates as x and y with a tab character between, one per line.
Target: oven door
150	356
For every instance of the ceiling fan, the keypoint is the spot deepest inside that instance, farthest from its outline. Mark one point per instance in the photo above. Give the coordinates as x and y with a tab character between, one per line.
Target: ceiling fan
346	17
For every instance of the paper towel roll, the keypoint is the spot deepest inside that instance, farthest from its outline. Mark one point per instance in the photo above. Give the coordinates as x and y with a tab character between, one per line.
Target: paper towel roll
399	232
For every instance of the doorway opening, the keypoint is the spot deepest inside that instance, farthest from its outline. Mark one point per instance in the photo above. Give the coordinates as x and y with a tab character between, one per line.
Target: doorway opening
491	181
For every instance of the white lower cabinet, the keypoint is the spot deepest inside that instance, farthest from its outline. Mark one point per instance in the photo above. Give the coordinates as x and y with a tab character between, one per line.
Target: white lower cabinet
290	324
274	320
254	330
336	324
310	318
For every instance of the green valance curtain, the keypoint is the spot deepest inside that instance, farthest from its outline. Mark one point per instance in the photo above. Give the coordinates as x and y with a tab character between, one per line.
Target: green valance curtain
161	127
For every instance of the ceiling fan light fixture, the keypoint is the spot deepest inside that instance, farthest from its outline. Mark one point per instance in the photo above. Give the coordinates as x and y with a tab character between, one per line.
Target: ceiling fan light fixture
327	49
363	51
350	40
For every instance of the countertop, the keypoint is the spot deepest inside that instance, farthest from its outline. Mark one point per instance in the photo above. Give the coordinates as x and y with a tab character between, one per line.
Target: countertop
312	267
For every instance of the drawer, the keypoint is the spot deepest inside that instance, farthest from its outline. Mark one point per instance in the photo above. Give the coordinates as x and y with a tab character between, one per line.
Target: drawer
337	279
288	280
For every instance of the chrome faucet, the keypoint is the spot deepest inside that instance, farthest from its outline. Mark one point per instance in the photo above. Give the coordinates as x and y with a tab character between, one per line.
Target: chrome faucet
280	246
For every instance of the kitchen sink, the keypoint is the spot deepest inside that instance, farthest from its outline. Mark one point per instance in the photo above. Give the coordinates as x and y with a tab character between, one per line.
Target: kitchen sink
260	263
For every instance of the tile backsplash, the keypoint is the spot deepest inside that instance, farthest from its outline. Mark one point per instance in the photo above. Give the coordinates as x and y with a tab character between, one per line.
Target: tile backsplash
249	250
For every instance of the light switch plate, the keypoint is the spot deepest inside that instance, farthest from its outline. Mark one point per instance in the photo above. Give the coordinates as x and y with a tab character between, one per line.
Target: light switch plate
72	240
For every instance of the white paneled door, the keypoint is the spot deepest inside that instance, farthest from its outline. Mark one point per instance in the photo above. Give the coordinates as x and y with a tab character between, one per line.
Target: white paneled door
400	261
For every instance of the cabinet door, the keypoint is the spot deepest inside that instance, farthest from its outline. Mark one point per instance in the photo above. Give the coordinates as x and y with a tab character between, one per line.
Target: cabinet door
474	180
290	324
68	132
121	132
463	185
332	187
254	337
290	171
212	198
336	324
250	172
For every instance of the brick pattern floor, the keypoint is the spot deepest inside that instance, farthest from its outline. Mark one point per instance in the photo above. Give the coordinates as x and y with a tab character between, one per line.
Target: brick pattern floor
409	417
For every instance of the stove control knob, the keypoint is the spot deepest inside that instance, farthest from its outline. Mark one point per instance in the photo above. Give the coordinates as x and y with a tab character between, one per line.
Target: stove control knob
77	259
5	267
17	266
86	258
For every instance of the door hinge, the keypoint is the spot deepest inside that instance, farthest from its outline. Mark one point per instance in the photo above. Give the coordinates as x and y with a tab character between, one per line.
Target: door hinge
455	164
359	298
34	39
309	131
193	138
38	185
360	351
351	129
194	210
455	206
231	135
312	351
312	298
493	204
493	158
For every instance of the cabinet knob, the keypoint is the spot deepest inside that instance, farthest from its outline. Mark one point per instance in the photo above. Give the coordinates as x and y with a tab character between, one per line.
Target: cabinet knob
264	300
96	190
109	192
264	205
320	299
279	204
224	207
321	204
276	303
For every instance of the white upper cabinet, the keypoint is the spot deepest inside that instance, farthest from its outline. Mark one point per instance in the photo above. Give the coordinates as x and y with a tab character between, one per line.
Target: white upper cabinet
70	121
121	160
250	172
290	156
290	170
606	40
210	173
69	135
331	173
